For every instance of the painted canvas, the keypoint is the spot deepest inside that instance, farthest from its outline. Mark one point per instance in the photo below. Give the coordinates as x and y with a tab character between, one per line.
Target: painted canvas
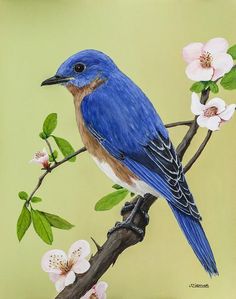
118	155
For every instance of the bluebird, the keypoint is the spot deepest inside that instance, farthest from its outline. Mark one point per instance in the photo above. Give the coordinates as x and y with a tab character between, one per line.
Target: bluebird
127	139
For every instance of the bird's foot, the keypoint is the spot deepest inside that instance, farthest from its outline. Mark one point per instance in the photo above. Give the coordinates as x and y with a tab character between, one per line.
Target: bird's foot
129	206
129	226
128	223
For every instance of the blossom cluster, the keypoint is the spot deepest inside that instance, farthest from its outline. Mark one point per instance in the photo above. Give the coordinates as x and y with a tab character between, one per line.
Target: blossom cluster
62	268
208	63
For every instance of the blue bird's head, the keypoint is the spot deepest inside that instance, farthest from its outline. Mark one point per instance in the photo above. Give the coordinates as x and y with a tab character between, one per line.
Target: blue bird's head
83	68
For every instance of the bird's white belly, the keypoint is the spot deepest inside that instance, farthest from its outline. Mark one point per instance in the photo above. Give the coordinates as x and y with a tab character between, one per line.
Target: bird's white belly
137	187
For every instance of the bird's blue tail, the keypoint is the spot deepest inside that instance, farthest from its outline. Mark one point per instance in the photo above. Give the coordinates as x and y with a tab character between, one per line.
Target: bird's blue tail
196	237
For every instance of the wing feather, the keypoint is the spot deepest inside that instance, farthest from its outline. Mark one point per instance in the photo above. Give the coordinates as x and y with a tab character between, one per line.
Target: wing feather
125	123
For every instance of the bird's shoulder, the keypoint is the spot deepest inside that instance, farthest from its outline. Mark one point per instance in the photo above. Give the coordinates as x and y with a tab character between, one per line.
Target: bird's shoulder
120	111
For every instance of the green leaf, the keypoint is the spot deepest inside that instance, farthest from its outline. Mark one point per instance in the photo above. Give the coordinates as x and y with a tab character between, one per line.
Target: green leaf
232	51
55	155
43	135
132	194
229	80
65	147
213	87
42	226
57	221
110	200
36	199
117	187
50	124
197	87
23	222
23	195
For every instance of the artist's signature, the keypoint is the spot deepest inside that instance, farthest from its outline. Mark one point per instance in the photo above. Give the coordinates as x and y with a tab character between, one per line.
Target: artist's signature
199	285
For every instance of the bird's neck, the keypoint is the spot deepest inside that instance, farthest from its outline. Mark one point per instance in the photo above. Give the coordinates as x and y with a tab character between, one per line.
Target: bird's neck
80	92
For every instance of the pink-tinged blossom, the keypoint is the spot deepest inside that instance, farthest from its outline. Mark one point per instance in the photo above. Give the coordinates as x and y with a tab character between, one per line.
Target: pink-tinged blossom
41	157
62	267
98	291
213	114
208	61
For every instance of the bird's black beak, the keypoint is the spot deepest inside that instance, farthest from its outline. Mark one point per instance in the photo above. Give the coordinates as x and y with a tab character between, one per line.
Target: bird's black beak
55	80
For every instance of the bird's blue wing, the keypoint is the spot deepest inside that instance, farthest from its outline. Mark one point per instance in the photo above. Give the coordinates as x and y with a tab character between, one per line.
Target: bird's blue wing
126	124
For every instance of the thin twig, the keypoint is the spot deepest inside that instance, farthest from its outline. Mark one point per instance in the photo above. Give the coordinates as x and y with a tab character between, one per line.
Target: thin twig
179	123
83	149
50	169
198	152
50	149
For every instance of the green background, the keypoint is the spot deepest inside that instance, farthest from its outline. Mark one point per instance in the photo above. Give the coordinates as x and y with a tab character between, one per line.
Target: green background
145	38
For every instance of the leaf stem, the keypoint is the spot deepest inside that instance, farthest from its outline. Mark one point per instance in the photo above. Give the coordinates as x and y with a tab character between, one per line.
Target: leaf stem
51	151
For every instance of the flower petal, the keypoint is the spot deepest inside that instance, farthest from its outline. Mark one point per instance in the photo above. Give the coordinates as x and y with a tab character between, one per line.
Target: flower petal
34	161
60	284
51	261
81	266
195	72
79	249
222	64
202	121
101	289
228	112
213	123
70	278
216	45
196	107
192	52
45	151
54	277
218	103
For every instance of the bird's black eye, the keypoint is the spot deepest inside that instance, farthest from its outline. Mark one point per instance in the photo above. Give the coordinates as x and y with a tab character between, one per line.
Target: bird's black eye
79	67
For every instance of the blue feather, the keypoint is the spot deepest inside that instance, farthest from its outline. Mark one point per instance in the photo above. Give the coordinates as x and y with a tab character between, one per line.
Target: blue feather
197	239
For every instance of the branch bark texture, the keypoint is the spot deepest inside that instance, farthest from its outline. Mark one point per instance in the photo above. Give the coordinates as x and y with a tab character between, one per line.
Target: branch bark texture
121	239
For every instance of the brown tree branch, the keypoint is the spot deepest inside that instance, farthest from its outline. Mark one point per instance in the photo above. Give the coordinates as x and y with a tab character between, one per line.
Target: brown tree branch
121	239
179	123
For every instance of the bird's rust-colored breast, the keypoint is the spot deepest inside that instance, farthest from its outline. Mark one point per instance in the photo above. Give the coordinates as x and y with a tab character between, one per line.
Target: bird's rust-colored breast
90	142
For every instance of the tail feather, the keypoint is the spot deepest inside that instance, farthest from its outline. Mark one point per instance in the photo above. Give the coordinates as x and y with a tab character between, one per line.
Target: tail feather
196	237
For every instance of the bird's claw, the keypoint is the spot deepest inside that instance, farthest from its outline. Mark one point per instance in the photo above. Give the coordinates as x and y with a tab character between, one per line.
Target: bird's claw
129	226
129	206
133	208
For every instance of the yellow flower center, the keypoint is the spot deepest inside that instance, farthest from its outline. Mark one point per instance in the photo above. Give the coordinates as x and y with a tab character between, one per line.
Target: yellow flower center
57	262
205	60
211	111
66	267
